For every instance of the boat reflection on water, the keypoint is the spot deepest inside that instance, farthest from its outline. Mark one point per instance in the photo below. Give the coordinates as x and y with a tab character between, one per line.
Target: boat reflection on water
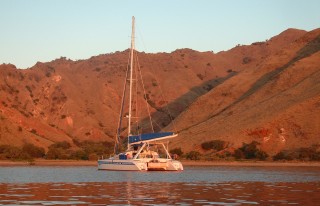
196	185
138	193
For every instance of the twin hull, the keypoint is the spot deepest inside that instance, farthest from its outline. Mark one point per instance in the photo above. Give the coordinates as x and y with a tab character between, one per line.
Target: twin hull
139	165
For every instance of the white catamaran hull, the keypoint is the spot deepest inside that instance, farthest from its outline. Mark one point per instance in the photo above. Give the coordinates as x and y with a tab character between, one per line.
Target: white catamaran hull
134	165
124	165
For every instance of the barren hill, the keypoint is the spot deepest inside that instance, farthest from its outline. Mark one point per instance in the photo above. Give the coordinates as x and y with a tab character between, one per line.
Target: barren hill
272	85
275	102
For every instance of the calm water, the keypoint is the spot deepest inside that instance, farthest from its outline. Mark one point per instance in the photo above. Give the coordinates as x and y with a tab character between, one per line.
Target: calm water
195	186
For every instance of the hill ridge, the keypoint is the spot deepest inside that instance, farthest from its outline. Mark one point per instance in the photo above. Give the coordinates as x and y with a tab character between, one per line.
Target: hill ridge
79	100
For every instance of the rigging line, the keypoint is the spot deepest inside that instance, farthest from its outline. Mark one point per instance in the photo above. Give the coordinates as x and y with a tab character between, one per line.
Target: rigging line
121	109
166	105
157	125
144	93
162	97
161	92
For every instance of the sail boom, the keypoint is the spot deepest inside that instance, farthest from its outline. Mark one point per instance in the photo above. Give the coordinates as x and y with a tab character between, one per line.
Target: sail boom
149	137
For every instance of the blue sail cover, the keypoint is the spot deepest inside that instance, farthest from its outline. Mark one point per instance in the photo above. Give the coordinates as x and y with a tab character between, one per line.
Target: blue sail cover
150	136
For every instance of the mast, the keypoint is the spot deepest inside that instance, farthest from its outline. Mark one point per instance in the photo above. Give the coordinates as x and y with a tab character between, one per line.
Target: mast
131	73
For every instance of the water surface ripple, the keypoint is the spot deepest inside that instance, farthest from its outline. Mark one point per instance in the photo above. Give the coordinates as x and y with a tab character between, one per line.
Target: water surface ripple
161	193
190	174
194	186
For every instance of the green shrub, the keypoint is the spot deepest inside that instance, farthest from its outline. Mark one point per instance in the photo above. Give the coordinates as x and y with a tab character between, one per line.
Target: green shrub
200	76
315	156
176	151
87	150
238	154
59	150
246	60
57	153
33	151
79	155
90	150
48	74
250	151
261	155
207	145
93	157
303	153
309	153
217	145
33	131
154	83
98	148
13	153
283	155
193	155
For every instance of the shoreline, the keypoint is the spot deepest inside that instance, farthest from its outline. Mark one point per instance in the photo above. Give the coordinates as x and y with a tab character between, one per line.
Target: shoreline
42	162
251	163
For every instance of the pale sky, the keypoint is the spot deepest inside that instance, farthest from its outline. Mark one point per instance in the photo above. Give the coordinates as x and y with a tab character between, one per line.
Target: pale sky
43	30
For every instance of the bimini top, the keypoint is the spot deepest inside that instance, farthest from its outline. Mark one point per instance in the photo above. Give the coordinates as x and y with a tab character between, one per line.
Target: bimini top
151	137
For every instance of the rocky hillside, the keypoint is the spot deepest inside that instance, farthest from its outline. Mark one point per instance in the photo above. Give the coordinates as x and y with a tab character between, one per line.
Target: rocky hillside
272	86
275	102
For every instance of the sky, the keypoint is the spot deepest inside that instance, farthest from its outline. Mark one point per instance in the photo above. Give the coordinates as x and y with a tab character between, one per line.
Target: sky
44	30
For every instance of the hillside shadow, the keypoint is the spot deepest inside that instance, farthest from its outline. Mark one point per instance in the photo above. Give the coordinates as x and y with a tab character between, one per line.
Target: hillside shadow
309	49
188	98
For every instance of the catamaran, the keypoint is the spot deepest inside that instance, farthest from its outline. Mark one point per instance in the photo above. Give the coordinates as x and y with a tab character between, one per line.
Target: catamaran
145	151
